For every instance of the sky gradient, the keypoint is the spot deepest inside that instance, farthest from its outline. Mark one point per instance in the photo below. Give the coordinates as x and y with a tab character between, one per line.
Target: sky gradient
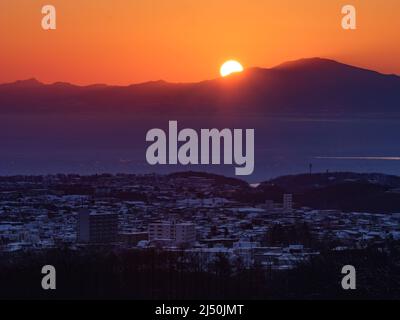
130	41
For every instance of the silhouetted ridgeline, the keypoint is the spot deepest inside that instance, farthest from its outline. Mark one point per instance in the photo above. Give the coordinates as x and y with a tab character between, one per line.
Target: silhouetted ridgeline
305	182
306	86
346	191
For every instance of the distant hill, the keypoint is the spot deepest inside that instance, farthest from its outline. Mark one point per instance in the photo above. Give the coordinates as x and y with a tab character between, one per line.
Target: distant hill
346	191
349	197
306	182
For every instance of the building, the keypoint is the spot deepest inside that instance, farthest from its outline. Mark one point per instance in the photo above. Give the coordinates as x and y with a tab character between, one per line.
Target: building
95	227
185	233
173	233
287	202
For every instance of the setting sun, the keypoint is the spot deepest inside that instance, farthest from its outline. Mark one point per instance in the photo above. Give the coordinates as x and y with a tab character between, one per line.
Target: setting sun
230	67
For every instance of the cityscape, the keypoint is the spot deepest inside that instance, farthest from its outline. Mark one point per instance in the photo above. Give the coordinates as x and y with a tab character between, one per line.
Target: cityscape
194	212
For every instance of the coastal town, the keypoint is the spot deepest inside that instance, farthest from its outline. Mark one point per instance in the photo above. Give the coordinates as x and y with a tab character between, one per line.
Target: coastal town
191	212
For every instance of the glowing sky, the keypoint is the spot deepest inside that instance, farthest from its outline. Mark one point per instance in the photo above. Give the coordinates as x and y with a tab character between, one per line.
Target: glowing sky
128	41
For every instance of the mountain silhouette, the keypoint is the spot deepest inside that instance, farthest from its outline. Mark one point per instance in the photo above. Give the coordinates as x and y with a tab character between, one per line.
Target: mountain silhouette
301	111
309	86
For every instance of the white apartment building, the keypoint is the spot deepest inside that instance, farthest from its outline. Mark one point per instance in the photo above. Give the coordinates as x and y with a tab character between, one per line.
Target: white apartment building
177	233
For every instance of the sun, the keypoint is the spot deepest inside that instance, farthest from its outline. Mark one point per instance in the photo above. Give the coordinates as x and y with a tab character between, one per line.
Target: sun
229	67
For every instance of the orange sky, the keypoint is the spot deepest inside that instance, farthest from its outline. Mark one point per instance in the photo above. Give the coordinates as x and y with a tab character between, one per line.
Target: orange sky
128	41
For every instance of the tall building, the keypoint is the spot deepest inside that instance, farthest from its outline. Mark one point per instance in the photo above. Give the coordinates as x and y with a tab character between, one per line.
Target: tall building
173	233
95	227
288	202
185	233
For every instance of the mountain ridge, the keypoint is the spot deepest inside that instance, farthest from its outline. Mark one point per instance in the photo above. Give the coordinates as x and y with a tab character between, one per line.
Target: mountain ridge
287	65
313	86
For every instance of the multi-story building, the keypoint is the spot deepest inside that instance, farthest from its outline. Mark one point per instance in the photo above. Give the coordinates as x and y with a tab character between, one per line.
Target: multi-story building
96	227
161	231
287	202
171	232
185	233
